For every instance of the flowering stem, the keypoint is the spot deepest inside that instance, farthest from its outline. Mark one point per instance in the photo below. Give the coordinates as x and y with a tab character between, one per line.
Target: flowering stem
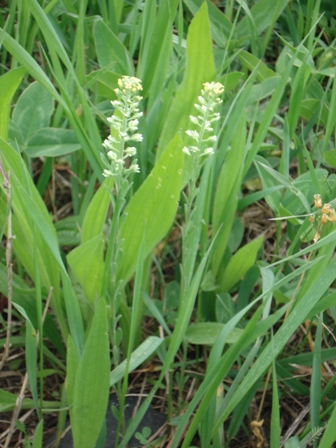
124	125
199	153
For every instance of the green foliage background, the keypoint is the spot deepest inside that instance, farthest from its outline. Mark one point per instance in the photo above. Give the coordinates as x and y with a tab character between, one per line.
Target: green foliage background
249	293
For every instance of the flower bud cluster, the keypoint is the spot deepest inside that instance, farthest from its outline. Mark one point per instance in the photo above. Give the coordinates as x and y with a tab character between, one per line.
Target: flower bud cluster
124	128
326	213
204	136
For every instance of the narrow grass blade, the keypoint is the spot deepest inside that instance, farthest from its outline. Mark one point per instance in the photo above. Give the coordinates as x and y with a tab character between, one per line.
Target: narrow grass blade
139	355
38	436
87	263
315	385
329	437
275	418
31	361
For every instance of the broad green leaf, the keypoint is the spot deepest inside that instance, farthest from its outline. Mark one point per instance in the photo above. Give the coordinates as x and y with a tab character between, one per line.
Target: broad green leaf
200	69
68	231
226	195
206	333
240	263
231	80
330	157
111	52
157	68
87	263
263	90
103	82
72	362
153	207
8	86
268	182
140	355
251	62
91	392
95	216
52	142
33	110
74	314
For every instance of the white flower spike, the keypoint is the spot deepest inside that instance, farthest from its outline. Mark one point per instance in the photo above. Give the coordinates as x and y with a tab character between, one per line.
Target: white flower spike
207	102
124	126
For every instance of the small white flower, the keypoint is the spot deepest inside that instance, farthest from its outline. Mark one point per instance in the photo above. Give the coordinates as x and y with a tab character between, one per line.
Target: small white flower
133	124
137	137
111	155
193	134
208	151
194	119
130	151
212	138
107	173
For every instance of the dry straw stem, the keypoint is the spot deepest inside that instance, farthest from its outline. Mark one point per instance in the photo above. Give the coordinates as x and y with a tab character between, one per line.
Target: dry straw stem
16	411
